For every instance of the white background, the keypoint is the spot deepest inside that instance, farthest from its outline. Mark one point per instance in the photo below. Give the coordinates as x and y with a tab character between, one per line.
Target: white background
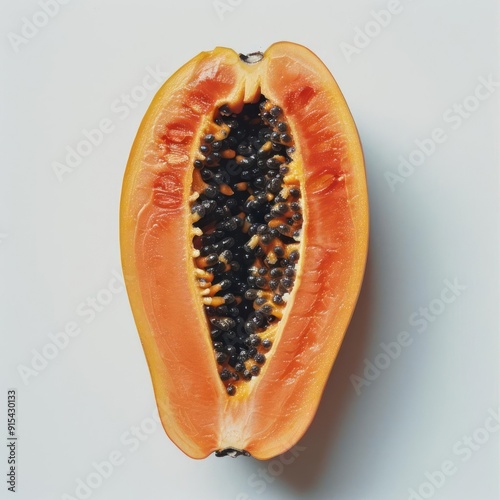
59	247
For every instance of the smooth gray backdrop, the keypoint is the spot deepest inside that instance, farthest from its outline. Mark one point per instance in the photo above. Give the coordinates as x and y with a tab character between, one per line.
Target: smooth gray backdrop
415	421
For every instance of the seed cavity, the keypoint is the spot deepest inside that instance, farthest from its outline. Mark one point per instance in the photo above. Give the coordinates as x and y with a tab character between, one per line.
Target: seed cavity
247	218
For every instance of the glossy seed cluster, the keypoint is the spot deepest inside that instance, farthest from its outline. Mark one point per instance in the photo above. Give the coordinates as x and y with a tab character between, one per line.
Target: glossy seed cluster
247	220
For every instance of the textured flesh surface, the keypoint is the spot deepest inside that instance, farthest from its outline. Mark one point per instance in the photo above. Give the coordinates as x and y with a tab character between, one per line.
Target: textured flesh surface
275	409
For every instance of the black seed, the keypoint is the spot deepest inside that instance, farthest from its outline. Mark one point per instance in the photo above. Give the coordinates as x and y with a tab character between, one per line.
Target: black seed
224	110
275	111
212	159
220	178
252	352
210	311
220	212
259	182
266	344
231	204
215	334
275	137
222	310
225	374
231	390
219	347
272	164
261	198
247	375
282	208
255	370
239	367
198	209
266	309
289	272
258	318
229	298
243	149
231	350
278	299
221	357
211	191
273	284
276	272
228	242
206	174
250	327
274	185
259	358
260	301
227	255
219	268
284	229
294	256
279	251
224	324
209	206
234	312
230	335
212	259
282	127
208	239
251	294
230	224
266	239
252	229
261	282
254	340
266	116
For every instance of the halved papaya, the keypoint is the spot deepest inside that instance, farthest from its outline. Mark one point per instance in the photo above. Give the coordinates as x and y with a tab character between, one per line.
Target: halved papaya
244	232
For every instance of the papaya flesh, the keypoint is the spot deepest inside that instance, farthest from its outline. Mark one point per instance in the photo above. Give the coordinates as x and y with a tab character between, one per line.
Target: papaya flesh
244	234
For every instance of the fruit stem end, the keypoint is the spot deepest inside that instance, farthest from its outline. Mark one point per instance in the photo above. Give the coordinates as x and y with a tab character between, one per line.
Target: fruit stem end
231	452
252	58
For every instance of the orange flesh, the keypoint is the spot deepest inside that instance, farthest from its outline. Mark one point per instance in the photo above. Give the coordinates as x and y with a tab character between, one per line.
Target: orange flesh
275	408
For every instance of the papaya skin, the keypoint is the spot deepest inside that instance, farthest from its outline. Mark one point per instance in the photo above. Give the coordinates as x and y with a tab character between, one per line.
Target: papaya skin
272	412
